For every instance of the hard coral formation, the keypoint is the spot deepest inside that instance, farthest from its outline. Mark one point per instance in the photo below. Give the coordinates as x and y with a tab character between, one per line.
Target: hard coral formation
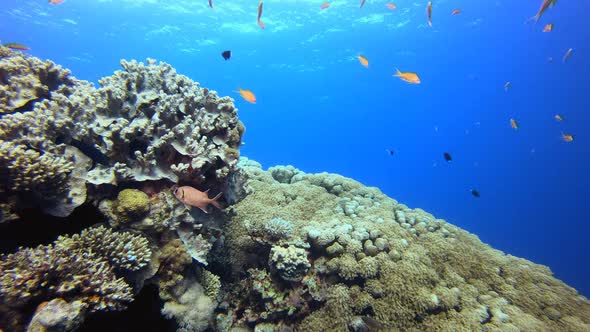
146	122
293	251
376	263
85	267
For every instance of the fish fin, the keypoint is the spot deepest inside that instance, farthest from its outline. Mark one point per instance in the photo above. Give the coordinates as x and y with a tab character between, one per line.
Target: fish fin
188	207
203	208
397	72
534	18
214	201
206	191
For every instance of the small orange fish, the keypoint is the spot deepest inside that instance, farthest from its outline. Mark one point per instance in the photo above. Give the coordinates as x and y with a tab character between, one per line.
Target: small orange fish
260	24
391	6
325	5
247	95
558	117
55	2
364	61
429	12
513	124
456	11
548	27
407	77
190	196
567	137
567	54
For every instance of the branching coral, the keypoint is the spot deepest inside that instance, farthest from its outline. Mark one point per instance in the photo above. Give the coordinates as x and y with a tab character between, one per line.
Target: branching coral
81	267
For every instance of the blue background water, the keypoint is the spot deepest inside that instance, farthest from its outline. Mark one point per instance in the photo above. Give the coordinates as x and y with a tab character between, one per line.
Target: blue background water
320	110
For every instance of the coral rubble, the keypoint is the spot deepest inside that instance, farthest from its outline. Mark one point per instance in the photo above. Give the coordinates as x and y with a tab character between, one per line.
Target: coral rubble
291	252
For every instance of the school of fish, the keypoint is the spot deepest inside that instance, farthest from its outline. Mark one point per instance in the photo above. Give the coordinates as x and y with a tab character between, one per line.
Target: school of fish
193	197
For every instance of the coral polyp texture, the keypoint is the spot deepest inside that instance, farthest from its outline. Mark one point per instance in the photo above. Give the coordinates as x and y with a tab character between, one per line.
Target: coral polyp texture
376	264
84	267
291	251
144	123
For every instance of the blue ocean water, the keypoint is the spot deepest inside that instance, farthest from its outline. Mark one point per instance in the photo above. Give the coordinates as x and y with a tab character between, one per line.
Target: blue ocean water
320	110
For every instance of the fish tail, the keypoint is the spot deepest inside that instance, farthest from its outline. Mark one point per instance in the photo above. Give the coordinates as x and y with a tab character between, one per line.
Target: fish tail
214	201
397	72
534	18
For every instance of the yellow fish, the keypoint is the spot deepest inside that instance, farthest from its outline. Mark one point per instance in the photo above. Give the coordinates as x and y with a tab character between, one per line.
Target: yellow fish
247	95
407	77
513	124
548	27
567	137
364	61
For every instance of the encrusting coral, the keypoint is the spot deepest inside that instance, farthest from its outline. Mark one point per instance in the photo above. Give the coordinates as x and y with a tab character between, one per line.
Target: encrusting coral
376	262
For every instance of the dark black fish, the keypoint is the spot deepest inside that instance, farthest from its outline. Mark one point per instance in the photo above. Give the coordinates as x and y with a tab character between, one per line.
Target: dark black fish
475	193
448	157
226	55
390	152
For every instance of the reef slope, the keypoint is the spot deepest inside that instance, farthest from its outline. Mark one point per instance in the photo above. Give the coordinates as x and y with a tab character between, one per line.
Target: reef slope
286	250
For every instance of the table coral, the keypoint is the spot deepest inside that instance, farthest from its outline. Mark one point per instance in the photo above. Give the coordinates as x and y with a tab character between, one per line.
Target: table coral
145	122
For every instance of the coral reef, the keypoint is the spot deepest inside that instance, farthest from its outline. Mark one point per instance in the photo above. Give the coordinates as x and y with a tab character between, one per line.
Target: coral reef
85	267
291	252
144	123
377	264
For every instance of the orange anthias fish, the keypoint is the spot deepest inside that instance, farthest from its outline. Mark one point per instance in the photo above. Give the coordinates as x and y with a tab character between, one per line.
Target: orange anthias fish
364	61
362	3
544	6
190	196
456	11
513	124
260	24
16	46
55	2
548	28
247	95
567	137
558	117
429	12
325	5
407	77
391	6
567	54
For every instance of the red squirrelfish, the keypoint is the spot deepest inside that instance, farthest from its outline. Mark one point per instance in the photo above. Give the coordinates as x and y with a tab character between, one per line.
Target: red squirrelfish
190	196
